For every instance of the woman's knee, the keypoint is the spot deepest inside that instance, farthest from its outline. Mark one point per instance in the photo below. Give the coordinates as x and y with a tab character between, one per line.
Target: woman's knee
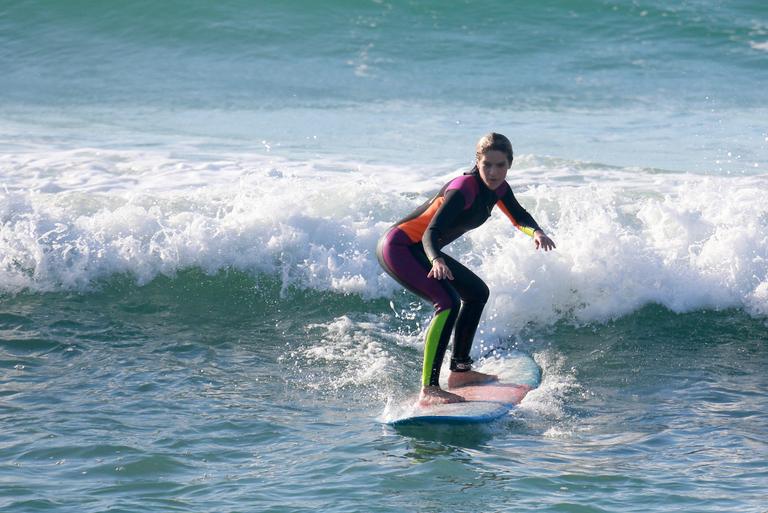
480	294
448	299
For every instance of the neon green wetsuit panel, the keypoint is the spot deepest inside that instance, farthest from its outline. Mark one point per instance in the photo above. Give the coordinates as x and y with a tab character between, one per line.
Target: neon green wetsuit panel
431	344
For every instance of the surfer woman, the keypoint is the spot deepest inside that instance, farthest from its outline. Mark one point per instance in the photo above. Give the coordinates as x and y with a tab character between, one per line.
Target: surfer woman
411	253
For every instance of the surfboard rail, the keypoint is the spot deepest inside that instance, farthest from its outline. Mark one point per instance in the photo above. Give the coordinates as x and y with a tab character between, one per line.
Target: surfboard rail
470	412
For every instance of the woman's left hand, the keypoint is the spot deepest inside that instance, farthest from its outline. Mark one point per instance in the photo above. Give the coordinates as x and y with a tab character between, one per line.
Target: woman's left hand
541	240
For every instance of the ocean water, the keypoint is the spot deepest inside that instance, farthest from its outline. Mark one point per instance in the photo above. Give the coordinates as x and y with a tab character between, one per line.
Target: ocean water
192	317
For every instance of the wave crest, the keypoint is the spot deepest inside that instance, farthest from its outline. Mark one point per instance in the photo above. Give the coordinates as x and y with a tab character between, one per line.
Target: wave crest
625	237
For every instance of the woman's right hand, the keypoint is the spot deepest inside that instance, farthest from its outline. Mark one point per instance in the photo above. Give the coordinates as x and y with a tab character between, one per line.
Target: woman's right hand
440	270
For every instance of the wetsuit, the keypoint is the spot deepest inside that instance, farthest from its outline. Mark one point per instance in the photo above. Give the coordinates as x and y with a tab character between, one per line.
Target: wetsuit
408	248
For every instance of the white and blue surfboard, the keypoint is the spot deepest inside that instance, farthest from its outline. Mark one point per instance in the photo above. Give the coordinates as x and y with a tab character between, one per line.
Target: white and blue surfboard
518	373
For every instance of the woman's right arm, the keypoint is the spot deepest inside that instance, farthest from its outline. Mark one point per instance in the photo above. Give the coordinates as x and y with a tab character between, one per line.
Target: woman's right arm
432	240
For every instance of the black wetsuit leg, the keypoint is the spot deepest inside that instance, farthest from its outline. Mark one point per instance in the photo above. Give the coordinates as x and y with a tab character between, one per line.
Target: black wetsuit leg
474	295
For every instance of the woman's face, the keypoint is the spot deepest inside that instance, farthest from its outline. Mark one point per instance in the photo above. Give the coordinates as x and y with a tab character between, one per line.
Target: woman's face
493	166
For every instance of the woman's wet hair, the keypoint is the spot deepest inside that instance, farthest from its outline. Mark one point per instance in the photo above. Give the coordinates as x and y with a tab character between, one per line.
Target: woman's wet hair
494	141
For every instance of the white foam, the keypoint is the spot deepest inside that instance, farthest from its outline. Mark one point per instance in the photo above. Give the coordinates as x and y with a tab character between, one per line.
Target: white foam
625	237
72	218
685	242
544	407
354	350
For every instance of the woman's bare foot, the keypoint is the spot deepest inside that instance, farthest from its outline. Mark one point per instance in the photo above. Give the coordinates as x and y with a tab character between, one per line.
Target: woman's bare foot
436	395
460	379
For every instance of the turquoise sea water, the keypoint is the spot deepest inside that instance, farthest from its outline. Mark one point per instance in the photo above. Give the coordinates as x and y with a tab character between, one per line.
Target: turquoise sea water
191	313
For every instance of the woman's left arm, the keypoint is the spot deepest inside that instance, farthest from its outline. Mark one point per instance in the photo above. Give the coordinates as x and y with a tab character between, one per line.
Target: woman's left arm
524	221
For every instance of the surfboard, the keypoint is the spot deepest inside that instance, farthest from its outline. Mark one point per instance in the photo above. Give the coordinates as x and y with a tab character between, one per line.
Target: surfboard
484	403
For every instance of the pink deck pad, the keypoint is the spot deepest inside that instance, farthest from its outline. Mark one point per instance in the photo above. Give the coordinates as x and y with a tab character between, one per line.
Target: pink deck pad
502	393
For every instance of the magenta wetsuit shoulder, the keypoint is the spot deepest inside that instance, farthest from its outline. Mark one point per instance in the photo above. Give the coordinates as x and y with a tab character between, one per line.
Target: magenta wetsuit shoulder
468	186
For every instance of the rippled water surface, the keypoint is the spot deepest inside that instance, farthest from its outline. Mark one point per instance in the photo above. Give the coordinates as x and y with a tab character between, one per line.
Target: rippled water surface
192	317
